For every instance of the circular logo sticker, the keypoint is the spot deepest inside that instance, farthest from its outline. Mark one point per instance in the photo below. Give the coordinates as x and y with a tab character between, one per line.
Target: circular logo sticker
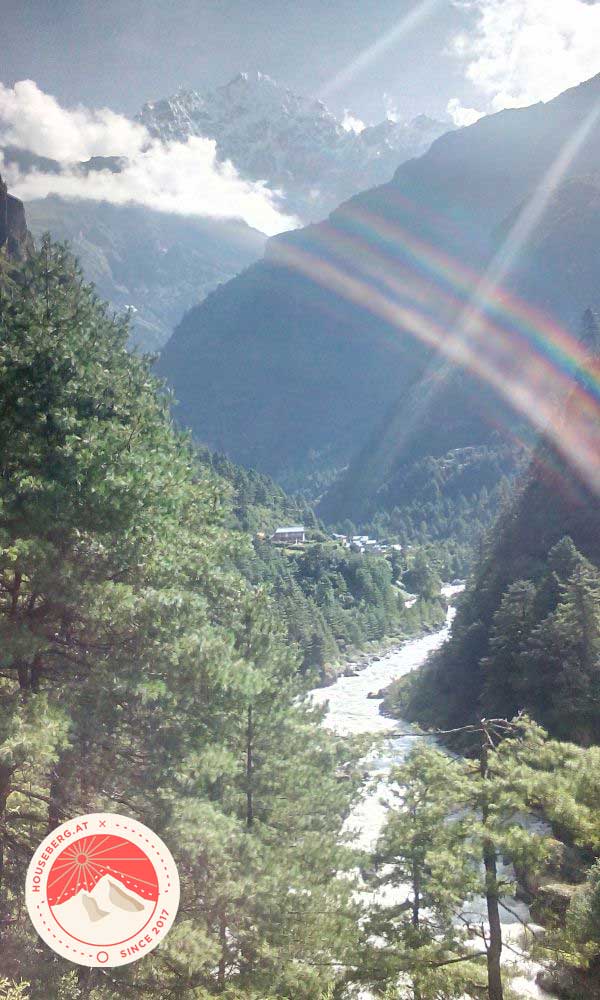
102	890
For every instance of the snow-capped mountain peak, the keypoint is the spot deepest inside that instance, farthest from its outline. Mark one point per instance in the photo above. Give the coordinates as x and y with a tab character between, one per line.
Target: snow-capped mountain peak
292	142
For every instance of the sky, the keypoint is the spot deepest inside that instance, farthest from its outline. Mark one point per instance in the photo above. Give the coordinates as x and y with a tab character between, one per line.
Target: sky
91	62
120	53
124	52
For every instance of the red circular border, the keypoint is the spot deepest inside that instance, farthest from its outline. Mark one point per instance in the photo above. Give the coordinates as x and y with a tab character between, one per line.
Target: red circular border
168	881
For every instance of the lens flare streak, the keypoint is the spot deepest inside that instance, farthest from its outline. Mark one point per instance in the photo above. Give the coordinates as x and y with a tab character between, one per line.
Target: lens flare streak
415	289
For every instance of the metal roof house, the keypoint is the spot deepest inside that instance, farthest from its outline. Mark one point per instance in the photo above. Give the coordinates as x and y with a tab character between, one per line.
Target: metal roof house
291	535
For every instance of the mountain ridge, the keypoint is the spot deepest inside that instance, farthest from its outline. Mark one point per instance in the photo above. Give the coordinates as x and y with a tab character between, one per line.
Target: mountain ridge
323	315
504	654
155	264
161	265
292	142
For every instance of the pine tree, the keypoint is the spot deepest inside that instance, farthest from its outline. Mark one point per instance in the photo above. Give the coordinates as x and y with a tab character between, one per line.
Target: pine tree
562	663
509	636
455	823
141	673
421	856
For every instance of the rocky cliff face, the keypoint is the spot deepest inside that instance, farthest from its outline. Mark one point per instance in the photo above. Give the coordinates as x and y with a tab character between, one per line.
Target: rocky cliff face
14	234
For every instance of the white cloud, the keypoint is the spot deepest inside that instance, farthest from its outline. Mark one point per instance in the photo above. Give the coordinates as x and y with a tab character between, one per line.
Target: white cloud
33	120
351	123
183	178
461	115
524	51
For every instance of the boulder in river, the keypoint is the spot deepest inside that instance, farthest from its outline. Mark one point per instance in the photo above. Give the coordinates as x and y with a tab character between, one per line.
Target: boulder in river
553	898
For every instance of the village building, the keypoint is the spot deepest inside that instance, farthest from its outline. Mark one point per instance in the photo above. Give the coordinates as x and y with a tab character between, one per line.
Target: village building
292	535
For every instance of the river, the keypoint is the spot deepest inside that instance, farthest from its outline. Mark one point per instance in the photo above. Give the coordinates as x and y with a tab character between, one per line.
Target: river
351	711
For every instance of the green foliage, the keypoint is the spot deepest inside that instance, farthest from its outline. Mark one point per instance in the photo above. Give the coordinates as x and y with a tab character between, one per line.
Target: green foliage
141	672
453	822
582	930
334	601
541	652
561	782
441	506
258	503
13	991
421	861
448	497
527	632
421	577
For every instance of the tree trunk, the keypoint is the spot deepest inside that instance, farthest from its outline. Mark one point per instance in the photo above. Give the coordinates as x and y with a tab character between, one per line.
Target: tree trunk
36	669
222	970
416	906
5	782
249	768
494	946
59	778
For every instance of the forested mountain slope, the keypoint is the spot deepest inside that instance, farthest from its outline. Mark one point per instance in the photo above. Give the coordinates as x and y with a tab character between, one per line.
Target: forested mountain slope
389	472
298	360
527	633
156	264
333	601
422	455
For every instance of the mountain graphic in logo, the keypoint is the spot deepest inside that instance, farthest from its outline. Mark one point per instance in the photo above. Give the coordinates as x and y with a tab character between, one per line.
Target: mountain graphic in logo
102	888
